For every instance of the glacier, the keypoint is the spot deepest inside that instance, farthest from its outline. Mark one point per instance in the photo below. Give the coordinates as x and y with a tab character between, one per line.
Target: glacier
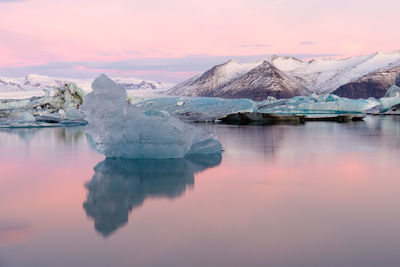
118	129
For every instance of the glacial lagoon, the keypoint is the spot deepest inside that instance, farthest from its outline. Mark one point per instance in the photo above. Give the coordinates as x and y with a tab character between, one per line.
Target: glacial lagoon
316	194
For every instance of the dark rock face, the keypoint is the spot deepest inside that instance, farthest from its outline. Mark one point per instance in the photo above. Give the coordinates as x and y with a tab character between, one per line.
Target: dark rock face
261	82
256	83
371	85
397	82
356	90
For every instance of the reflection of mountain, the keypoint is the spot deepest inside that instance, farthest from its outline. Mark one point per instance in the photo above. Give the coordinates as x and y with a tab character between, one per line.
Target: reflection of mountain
119	185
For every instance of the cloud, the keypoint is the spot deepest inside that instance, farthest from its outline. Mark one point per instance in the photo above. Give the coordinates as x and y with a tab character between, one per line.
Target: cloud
307	43
107	54
253	45
172	69
133	52
12	1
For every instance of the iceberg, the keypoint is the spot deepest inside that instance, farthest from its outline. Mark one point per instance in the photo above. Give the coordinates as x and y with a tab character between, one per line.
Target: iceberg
319	104
118	129
59	108
394	90
198	109
328	104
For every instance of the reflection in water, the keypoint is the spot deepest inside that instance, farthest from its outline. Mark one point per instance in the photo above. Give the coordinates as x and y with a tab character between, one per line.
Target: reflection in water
66	135
25	134
119	185
10	233
70	135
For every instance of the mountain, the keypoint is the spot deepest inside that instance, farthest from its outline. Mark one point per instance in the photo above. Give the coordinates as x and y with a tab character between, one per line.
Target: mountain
211	80
39	82
325	75
9	86
357	76
370	85
260	82
35	81
137	84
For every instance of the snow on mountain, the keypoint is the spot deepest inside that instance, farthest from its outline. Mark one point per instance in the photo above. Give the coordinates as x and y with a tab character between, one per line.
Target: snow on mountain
291	75
211	80
9	86
325	75
264	80
137	84
35	82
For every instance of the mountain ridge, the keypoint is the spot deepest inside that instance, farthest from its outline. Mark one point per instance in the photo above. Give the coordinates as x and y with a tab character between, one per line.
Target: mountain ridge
321	75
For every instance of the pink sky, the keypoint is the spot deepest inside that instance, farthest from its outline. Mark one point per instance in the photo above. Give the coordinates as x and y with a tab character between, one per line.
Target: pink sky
48	32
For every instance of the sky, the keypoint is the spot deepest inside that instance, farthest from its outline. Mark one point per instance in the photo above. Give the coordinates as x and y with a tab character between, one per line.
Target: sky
171	40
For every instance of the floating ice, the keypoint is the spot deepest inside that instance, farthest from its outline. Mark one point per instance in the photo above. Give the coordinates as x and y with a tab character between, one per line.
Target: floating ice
327	104
198	108
211	109
61	107
119	130
393	91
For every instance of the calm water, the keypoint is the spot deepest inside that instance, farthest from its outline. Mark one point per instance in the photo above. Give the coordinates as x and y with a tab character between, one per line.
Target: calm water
319	194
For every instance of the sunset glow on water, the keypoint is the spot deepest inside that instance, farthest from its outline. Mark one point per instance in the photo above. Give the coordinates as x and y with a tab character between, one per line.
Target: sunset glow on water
281	195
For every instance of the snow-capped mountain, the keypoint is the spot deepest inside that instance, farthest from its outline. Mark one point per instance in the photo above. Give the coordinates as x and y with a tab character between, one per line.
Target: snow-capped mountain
9	86
264	80
210	81
374	84
137	84
39	82
323	75
35	81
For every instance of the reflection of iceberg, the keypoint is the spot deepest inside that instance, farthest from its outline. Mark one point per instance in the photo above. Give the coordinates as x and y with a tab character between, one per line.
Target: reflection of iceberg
68	135
119	185
119	130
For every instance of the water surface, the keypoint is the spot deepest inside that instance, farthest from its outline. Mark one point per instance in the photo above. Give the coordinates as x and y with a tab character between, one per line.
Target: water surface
319	194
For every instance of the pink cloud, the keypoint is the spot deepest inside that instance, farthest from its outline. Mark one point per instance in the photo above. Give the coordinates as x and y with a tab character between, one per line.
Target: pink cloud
43	30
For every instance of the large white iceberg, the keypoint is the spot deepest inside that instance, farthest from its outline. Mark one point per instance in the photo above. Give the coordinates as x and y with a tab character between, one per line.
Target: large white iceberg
119	130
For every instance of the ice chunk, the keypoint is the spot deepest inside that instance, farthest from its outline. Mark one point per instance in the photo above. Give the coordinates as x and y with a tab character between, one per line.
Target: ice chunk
320	104
198	108
394	110
394	90
26	117
119	130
